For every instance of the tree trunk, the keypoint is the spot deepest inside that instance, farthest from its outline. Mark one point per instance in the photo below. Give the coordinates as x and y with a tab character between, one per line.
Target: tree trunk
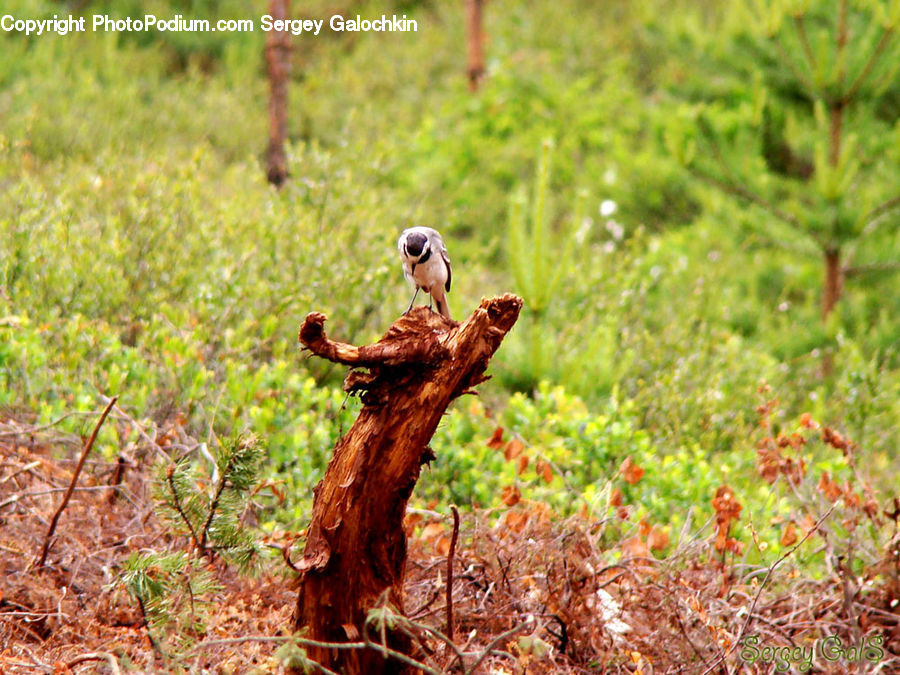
278	58
475	42
833	282
356	546
830	296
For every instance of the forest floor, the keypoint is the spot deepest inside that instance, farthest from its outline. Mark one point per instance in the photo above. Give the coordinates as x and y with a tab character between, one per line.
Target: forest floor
531	593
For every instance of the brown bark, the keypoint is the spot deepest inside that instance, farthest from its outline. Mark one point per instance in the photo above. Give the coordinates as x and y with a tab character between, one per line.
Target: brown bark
833	282
830	296
831	292
278	59
475	38
356	546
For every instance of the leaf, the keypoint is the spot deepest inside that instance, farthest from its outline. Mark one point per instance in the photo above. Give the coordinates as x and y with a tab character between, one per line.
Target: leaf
410	522
808	524
442	545
496	440
432	531
515	520
726	504
852	500
631	472
615	497
657	539
533	645
789	536
543	469
635	547
829	488
511	495
523	464
734	546
695	605
727	509
513	449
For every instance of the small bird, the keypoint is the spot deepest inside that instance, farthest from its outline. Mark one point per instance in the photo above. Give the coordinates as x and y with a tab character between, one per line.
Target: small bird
426	264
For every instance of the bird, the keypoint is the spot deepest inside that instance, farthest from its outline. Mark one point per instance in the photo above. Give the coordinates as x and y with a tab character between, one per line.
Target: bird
427	265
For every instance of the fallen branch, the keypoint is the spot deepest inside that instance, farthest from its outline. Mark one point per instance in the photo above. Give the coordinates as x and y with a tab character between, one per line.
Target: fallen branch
96	656
84	453
529	621
306	642
450	555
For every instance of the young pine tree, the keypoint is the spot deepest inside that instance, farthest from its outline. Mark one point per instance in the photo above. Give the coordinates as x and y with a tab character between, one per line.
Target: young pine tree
801	118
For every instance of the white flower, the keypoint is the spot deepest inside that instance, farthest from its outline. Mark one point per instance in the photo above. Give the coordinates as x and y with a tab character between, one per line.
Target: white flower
607	208
616	230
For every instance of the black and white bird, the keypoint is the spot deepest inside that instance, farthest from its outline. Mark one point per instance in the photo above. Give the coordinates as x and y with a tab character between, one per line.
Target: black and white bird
426	264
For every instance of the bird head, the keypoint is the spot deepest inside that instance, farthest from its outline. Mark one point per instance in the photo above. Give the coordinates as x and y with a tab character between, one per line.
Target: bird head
416	242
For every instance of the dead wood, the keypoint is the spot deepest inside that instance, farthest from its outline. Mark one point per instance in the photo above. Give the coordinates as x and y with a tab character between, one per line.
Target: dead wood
356	545
450	555
48	538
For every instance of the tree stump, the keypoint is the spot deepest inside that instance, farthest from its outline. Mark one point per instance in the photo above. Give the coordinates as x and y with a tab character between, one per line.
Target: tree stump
356	545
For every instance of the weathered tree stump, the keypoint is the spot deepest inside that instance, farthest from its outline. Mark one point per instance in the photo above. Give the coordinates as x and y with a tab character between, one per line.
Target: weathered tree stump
356	546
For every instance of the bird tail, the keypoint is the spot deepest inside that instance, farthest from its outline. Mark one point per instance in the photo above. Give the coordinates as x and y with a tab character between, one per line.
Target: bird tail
442	305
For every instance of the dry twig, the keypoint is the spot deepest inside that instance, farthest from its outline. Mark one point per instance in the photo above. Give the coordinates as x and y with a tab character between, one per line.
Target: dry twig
450	570
87	448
